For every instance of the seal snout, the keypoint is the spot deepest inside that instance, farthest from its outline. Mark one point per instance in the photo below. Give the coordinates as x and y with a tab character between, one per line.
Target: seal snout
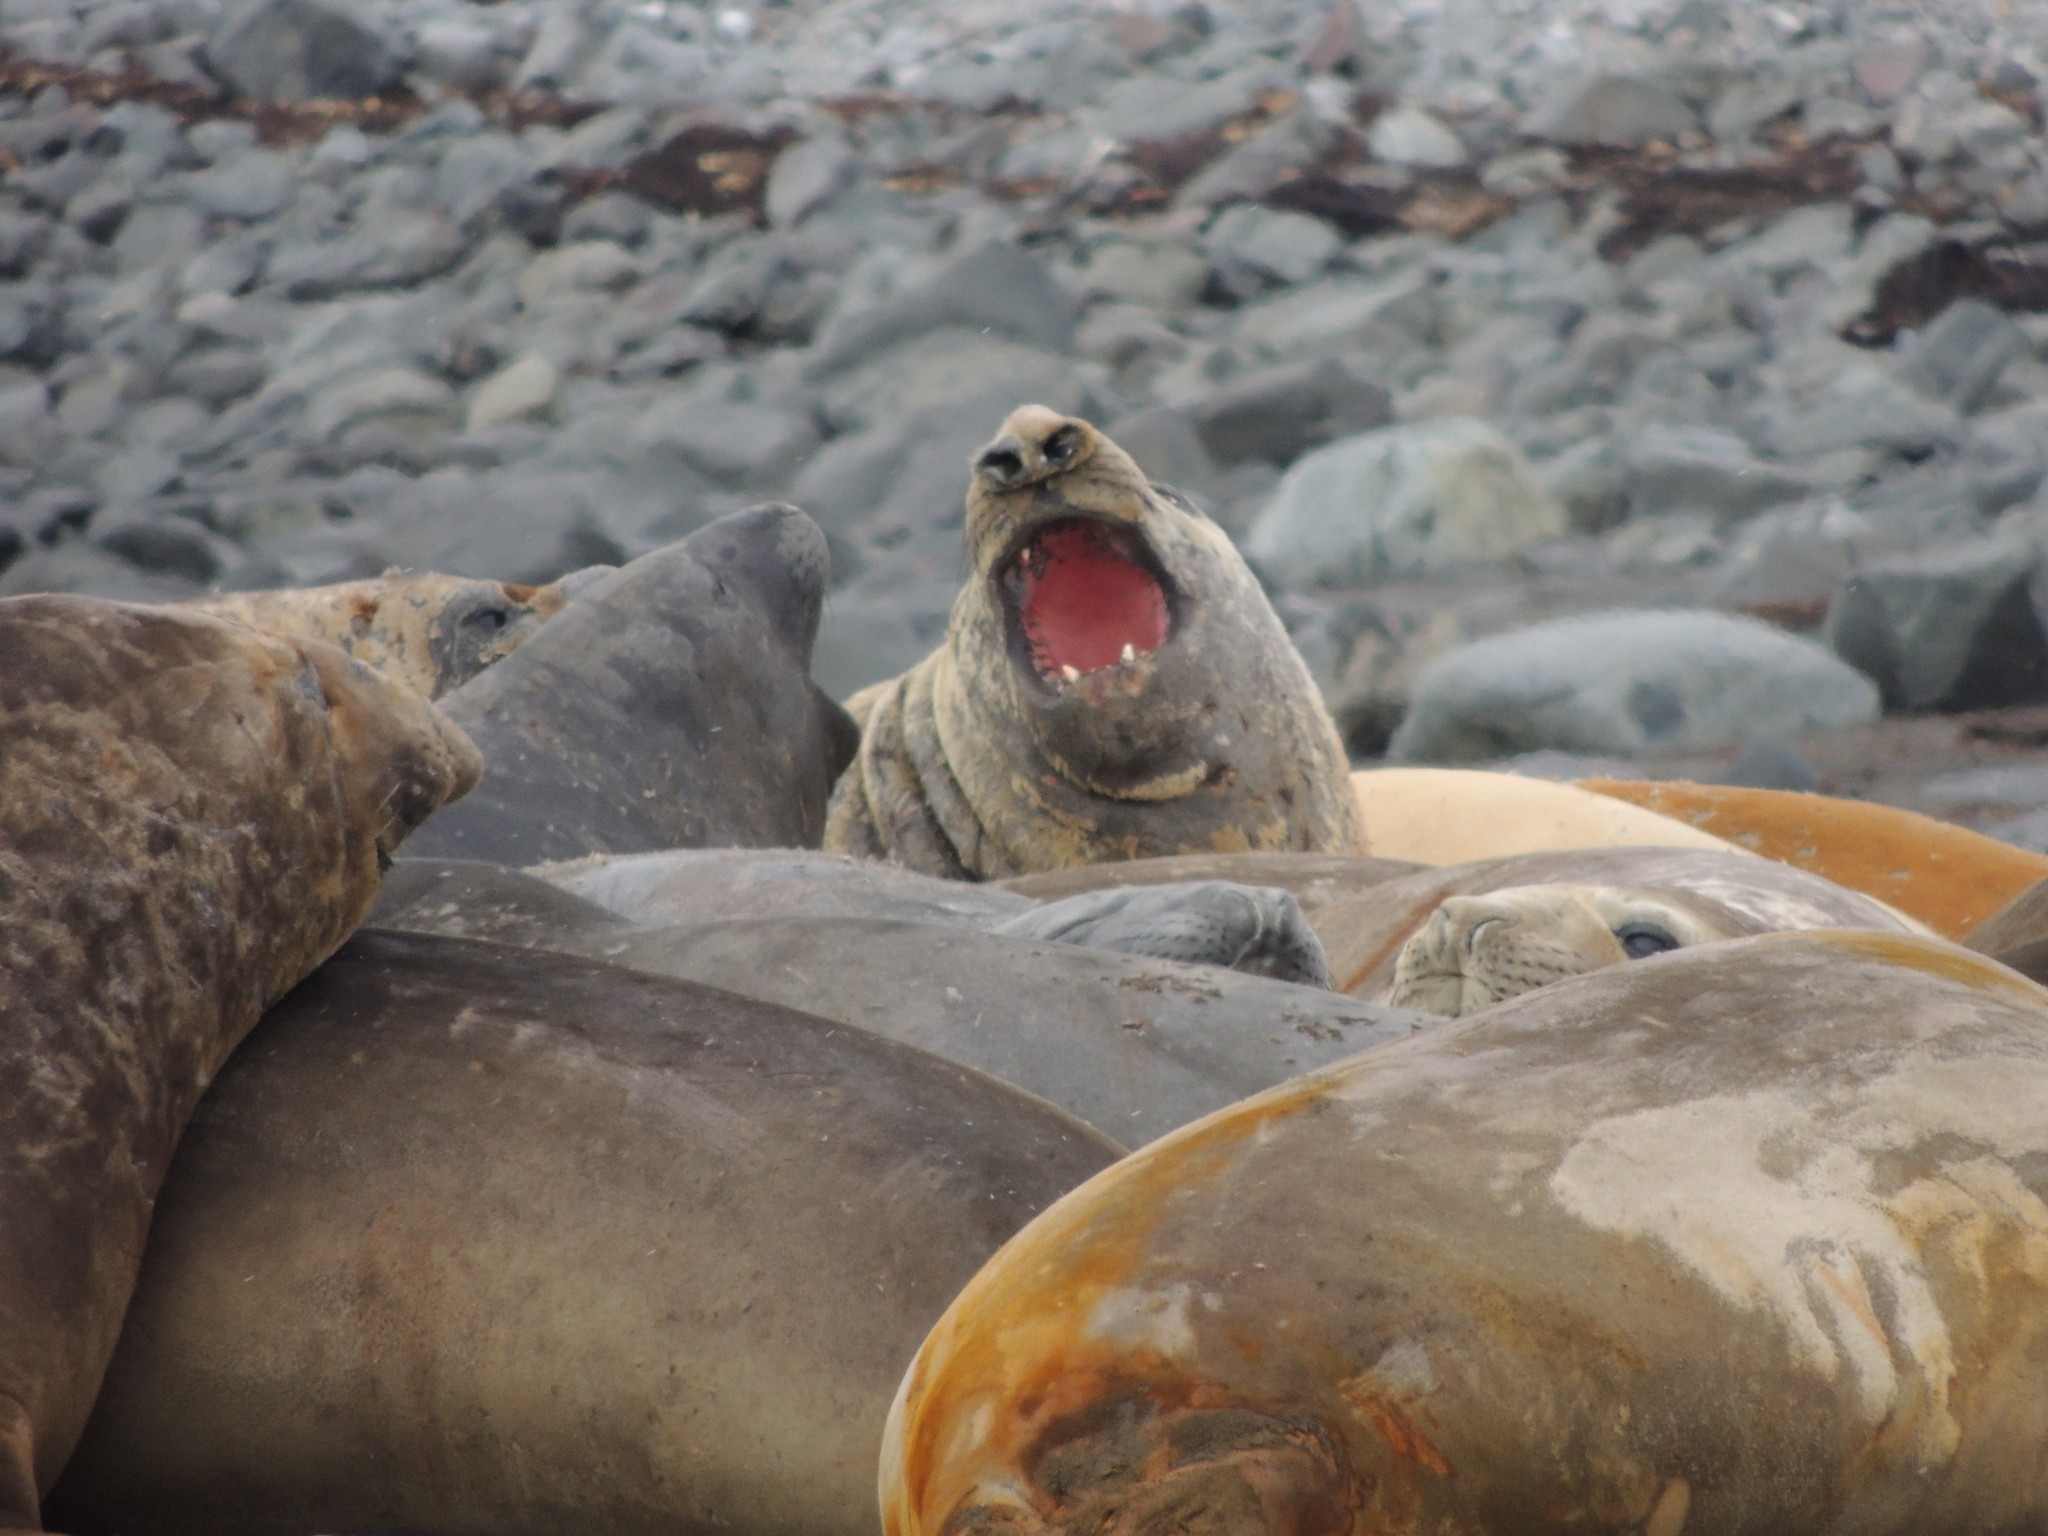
1034	444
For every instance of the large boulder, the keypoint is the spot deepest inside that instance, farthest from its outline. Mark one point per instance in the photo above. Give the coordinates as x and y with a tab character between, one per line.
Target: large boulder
1402	501
1628	683
1947	628
301	50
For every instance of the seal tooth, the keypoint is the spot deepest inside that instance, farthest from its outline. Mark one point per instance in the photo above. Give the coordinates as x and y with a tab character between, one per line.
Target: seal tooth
1067	671
1130	655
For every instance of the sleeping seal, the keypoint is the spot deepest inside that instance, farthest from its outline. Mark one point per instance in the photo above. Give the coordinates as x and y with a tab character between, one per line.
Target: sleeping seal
192	816
478	1239
1113	685
431	632
1451	940
1748	1239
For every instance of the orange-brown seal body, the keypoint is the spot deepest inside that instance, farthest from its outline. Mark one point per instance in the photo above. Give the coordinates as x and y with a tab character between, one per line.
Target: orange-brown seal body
429	631
193	816
1948	877
1113	685
1746	1239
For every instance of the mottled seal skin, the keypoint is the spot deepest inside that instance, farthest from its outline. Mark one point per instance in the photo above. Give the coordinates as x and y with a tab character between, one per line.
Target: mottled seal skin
1748	1239
669	705
987	759
469	1238
1259	930
1132	1045
193	815
431	632
1691	895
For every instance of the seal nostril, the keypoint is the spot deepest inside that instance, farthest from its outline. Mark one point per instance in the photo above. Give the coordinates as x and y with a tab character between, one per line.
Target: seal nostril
1002	462
1063	444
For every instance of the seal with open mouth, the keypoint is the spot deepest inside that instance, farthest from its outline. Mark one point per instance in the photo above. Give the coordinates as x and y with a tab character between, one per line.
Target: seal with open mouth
1113	685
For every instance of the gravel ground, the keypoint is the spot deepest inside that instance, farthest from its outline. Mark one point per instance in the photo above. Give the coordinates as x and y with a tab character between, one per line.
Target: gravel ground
1465	318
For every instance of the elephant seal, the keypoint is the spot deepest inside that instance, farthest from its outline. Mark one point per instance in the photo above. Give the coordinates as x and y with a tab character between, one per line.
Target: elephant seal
1257	929
1948	877
669	706
1260	931
193	816
1748	1239
1498	926
1132	1045
1315	879
1113	684
470	1238
2017	933
431	632
1459	815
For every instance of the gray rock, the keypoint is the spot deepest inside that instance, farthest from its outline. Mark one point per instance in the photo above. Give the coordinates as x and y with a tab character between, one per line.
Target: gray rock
734	442
942	367
1947	628
22	237
251	185
1625	110
1166	446
473	173
384	392
1960	354
301	50
557	51
81	567
1401	501
992	289
1158	274
617	217
806	178
1277	414
227	267
1628	683
1702	469
1770	765
1859	405
1256	248
1385	319
864	639
1405	135
460	53
218	375
522	388
398	252
1258	165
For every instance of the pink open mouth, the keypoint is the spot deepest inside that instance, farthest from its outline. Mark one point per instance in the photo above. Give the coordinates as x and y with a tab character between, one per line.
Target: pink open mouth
1082	602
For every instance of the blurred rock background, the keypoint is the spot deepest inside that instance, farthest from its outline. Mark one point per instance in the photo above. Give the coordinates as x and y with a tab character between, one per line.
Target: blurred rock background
1650	385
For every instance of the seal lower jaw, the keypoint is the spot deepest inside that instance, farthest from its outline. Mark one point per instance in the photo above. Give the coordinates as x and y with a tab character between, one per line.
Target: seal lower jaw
1085	605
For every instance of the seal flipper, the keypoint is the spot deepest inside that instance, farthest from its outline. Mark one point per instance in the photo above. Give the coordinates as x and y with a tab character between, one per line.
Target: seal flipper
1256	929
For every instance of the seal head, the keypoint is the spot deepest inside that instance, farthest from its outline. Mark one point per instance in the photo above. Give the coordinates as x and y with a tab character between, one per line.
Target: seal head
1479	950
1113	685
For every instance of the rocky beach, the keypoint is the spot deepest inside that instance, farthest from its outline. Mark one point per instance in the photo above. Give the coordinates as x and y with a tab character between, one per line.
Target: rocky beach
1653	387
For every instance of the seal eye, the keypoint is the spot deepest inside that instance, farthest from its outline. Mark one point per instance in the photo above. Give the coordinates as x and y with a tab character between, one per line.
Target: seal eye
1641	940
1063	444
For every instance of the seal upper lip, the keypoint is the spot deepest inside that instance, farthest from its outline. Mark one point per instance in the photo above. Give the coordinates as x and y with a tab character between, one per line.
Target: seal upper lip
1082	594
